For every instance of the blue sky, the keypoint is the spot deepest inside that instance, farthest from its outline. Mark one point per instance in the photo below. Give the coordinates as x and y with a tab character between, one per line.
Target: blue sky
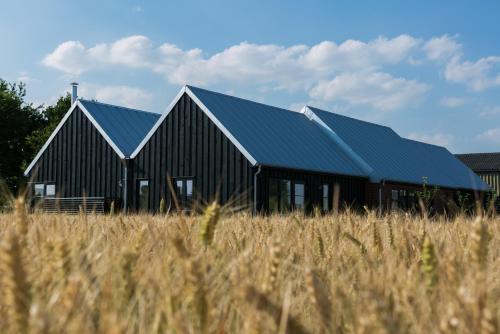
430	70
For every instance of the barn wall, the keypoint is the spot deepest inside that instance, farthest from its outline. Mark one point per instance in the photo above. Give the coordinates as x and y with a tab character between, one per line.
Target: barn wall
80	162
352	189
492	178
445	198
189	144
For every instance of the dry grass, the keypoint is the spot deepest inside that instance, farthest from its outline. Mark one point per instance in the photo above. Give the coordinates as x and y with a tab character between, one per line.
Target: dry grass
332	274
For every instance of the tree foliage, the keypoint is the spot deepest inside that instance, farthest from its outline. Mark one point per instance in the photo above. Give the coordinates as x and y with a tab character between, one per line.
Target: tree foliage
23	130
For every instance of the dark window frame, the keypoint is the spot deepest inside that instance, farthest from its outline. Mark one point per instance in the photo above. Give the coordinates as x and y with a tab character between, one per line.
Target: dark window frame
35	184
325	199
280	206
185	200
55	189
138	194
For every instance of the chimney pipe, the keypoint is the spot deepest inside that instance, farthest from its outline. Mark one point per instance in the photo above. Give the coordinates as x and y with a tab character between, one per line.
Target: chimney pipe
74	92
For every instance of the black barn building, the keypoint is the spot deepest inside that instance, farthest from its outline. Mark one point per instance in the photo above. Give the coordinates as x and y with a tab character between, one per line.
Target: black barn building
254	156
84	161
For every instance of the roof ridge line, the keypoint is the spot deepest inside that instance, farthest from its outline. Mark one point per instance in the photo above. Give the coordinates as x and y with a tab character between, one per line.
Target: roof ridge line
365	167
243	99
353	118
122	107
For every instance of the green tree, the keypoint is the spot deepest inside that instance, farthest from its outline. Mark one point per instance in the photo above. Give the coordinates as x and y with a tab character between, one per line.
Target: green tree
52	115
18	119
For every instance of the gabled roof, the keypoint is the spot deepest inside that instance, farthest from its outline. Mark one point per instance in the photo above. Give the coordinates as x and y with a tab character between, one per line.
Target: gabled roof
481	162
123	128
397	159
269	135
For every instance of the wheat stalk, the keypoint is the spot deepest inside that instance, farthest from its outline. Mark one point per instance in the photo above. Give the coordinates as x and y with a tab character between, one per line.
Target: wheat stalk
15	282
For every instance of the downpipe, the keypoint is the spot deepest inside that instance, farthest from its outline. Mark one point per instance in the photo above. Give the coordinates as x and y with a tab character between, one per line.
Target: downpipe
255	190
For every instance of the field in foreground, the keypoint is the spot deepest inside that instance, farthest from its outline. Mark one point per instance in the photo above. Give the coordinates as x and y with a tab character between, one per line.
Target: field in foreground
332	274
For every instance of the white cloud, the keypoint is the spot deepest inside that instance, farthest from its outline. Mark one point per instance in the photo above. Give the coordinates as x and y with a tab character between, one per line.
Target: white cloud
74	58
452	102
70	57
126	96
493	111
380	90
442	48
491	135
477	76
440	139
297	66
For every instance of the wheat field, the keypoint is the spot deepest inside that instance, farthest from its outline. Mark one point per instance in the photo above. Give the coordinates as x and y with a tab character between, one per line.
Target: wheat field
234	273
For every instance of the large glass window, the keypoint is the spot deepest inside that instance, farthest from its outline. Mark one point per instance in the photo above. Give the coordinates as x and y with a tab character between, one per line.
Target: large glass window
184	192
281	198
299	196
274	195
326	197
395	199
285	195
402	200
143	195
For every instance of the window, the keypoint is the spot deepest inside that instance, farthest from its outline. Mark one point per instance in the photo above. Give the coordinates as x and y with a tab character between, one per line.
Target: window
395	199
39	190
143	195
299	196
50	190
184	192
402	199
281	193
273	195
325	197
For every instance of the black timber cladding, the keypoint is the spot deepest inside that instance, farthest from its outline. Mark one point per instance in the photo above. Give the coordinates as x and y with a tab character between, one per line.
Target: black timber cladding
189	144
80	162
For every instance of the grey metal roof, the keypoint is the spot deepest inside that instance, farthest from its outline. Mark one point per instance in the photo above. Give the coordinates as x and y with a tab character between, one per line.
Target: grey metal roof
397	159
277	137
481	162
124	126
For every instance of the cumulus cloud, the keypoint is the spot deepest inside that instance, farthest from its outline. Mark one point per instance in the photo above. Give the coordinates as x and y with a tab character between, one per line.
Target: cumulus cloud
452	102
380	90
442	48
126	96
440	139
298	67
490	135
477	76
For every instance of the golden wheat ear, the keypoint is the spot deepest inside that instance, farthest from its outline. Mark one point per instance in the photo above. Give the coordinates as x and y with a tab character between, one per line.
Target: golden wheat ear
208	223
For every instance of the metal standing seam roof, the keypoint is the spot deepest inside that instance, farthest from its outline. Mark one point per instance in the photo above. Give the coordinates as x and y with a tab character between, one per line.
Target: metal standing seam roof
124	126
481	162
278	137
400	160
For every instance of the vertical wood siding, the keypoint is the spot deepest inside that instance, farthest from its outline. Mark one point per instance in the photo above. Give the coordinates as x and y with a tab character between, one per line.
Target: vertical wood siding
189	144
80	162
492	178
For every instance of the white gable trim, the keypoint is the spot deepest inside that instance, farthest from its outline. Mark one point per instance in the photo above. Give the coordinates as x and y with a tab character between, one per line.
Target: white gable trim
47	143
101	131
221	127
158	122
60	125
210	115
335	137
